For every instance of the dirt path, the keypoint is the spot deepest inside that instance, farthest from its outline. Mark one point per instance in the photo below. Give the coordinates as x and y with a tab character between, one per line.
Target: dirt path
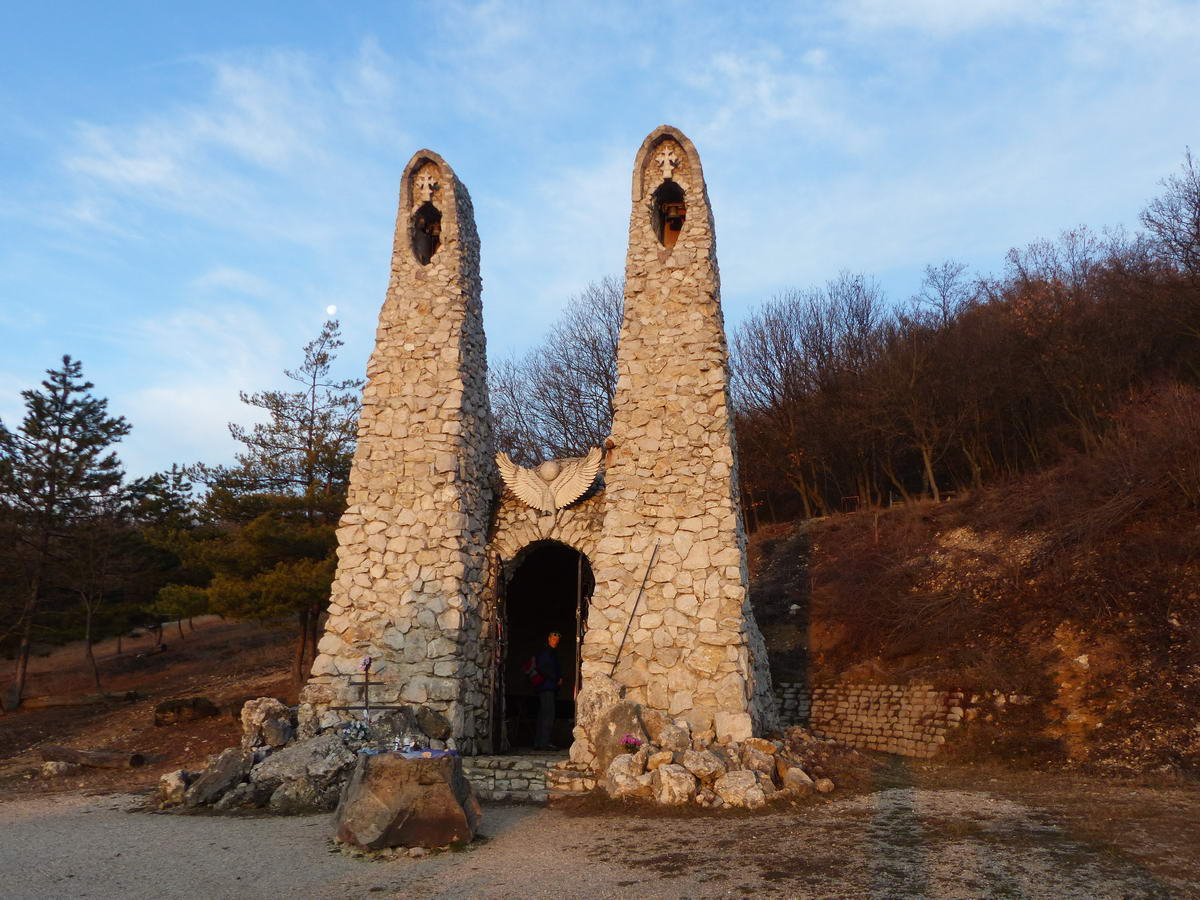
900	842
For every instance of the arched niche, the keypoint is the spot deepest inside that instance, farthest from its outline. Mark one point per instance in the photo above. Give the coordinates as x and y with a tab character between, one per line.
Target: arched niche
426	195
426	232
668	212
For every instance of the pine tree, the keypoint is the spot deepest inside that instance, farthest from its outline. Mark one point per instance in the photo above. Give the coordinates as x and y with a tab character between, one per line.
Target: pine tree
54	469
305	447
278	507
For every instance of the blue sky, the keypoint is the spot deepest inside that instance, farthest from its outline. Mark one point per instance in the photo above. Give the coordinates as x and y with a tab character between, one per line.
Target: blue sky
184	188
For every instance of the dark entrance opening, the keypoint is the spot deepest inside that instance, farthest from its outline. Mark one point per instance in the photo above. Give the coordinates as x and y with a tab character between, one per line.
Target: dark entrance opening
426	233
670	212
548	591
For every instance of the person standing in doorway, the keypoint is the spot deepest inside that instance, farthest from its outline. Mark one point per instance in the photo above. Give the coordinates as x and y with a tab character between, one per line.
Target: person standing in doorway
547	691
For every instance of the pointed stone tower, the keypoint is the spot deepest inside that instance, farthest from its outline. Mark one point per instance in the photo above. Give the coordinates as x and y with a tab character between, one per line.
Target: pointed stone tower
411	545
693	648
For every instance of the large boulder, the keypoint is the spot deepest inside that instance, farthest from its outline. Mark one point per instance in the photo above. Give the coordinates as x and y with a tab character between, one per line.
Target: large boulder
598	695
391	801
792	776
665	733
433	723
610	729
173	786
246	795
673	785
733	787
266	721
312	771
661	758
757	761
796	781
704	765
731	726
223	772
626	777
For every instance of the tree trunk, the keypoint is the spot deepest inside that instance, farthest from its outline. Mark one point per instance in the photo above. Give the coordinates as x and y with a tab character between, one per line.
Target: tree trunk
191	624
120	637
179	625
104	759
301	648
314	637
87	648
927	459
159	627
16	691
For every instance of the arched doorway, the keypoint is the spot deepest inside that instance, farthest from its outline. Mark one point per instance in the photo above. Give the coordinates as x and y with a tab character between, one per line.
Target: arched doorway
547	589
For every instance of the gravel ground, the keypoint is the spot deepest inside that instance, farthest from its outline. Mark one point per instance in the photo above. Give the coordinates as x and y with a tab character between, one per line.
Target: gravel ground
899	842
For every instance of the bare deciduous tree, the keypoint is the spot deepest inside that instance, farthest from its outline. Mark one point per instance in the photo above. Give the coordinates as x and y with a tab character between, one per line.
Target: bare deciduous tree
1174	218
556	400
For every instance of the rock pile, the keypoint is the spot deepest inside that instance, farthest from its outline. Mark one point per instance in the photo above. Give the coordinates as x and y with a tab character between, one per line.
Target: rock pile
642	754
289	773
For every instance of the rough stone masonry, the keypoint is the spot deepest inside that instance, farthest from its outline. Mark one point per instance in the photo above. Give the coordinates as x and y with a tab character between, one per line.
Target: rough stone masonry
694	649
411	545
426	539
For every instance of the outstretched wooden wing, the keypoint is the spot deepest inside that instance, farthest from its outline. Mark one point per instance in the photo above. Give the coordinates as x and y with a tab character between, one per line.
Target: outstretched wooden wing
525	483
576	477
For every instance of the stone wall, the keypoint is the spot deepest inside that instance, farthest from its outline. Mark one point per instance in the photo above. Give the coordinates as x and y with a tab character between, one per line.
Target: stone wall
518	778
411	545
909	720
694	649
517	526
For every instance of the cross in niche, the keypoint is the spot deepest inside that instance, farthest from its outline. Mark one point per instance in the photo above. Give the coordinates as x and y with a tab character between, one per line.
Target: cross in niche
366	684
668	160
424	185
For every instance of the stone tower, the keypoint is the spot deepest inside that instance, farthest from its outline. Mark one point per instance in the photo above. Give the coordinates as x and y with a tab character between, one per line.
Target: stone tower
693	648
411	545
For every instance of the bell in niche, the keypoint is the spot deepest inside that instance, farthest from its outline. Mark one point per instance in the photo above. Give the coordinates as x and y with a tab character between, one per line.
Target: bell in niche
426	232
670	212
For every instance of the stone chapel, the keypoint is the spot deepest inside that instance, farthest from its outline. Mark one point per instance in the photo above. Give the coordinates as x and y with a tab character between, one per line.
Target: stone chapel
450	575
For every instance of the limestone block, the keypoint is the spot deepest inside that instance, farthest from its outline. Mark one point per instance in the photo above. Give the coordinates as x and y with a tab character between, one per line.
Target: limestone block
673	785
732	726
391	801
223	772
706	766
734	787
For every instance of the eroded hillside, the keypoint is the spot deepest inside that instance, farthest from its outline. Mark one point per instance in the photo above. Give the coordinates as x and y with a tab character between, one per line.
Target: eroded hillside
1078	586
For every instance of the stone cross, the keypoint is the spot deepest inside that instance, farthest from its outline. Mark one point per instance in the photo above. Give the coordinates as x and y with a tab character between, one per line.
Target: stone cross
424	185
667	160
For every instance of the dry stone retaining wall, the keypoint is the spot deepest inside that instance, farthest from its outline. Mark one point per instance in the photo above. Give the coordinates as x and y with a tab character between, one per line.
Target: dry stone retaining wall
909	720
508	777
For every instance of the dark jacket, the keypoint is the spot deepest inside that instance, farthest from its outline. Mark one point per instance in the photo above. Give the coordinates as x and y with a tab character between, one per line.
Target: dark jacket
548	667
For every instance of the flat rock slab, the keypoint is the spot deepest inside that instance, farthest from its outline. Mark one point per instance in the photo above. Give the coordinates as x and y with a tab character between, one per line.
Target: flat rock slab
391	801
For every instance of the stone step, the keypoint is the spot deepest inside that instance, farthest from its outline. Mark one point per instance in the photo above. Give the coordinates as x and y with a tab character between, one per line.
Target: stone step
525	796
513	778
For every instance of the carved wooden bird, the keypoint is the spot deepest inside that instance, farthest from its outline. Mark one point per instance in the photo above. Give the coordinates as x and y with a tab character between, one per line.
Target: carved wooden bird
555	483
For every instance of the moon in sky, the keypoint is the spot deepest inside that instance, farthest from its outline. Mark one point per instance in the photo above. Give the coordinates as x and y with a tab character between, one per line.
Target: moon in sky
330	310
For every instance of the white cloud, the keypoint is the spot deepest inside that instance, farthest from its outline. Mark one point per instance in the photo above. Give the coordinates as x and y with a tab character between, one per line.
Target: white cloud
545	243
230	279
268	149
192	363
948	17
761	92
